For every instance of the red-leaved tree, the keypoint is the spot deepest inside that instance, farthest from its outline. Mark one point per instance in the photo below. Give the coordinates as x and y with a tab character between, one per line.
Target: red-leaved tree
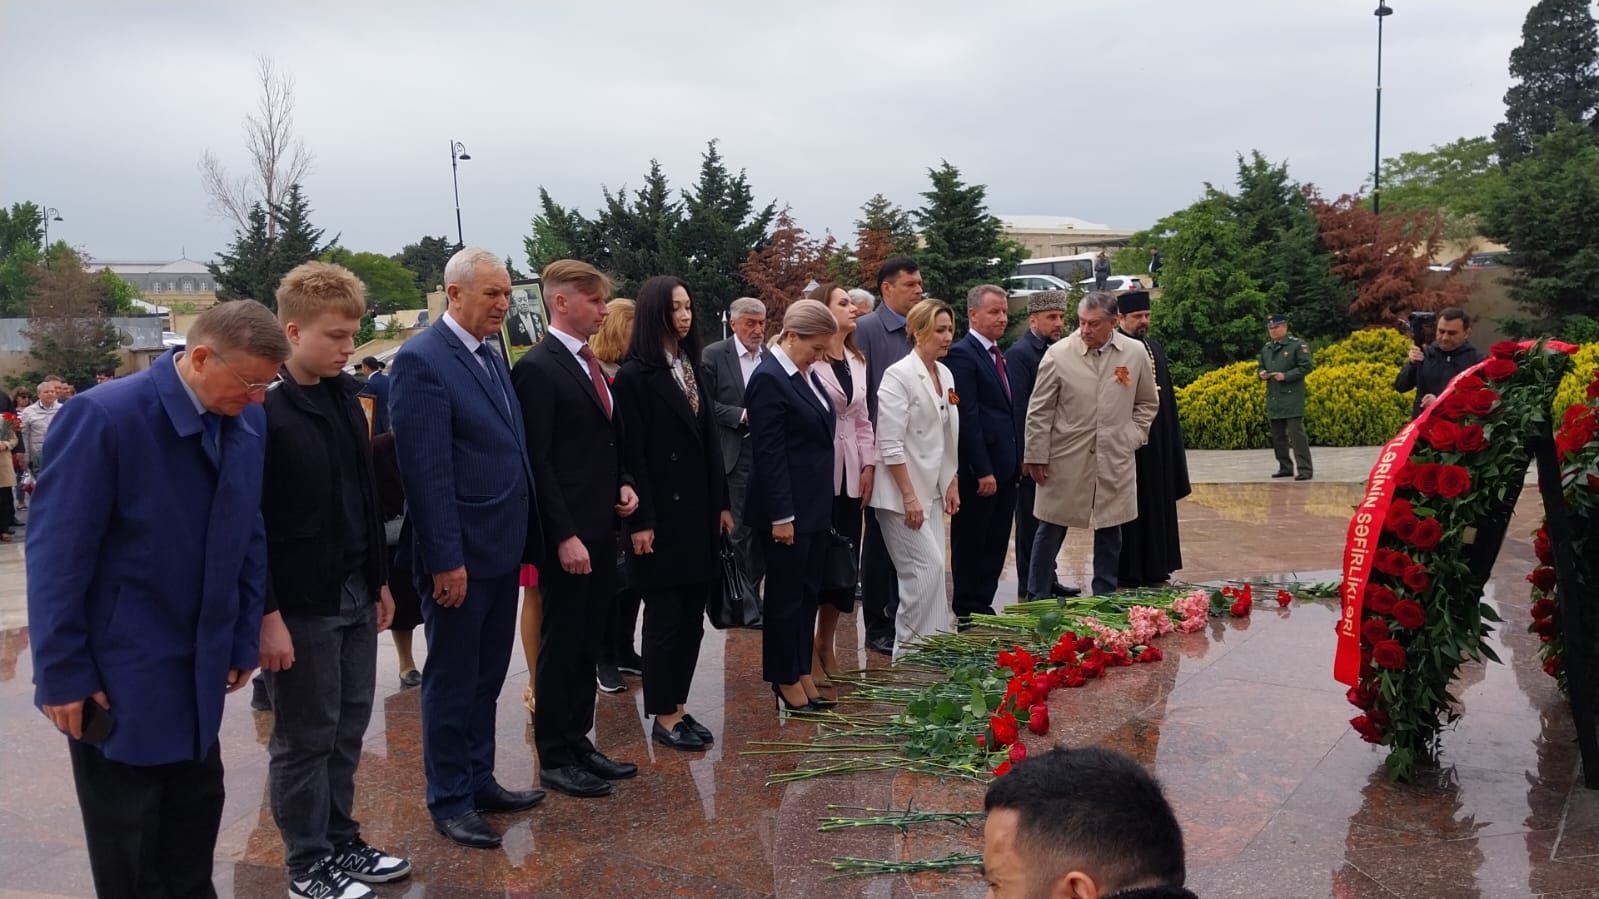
1386	257
780	269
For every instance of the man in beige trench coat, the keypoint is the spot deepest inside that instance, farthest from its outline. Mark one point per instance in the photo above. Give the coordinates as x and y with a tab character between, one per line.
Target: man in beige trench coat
1090	412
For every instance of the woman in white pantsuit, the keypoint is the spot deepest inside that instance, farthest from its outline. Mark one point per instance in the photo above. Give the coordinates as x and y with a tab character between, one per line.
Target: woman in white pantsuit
917	427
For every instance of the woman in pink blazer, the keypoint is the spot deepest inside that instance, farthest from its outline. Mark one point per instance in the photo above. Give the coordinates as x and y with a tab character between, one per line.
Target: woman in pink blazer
854	459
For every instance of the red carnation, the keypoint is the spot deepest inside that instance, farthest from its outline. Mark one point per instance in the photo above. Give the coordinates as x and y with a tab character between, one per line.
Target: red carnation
1498	369
1543	577
1284	598
1018	753
1240	608
1374	631
1380	599
1002	770
1084	644
1471	439
1367	729
1405	529
1417	578
1443	434
1427	535
1505	349
1004	728
1038	719
1388	654
1453	480
1543	608
1427	478
1151	654
1409	614
1481	402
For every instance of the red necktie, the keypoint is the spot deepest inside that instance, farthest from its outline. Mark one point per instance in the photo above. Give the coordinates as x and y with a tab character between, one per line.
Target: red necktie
587	355
999	360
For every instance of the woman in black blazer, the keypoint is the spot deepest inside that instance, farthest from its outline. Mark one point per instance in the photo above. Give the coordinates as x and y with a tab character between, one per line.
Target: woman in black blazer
669	444
791	495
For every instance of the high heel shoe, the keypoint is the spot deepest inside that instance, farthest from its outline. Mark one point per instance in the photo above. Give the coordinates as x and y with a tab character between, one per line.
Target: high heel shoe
785	707
527	703
822	703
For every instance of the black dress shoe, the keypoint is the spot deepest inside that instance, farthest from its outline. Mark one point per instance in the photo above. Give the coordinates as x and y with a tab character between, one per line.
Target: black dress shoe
575	781
1283	474
1061	589
681	736
500	799
598	764
631	663
468	830
1302	477
882	645
700	730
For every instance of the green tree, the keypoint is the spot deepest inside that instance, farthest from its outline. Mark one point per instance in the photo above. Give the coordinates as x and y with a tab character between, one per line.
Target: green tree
1556	72
1456	180
1212	312
257	261
1545	216
427	257
640	237
550	240
68	331
116	295
21	233
390	286
965	245
721	225
881	214
297	240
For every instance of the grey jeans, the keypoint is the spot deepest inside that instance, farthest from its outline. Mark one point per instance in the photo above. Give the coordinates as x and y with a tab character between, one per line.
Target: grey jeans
320	709
1046	546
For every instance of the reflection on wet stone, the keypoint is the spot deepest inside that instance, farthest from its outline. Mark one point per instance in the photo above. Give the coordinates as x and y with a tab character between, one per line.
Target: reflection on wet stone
1244	725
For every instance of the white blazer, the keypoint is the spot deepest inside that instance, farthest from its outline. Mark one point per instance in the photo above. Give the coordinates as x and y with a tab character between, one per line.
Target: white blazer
916	426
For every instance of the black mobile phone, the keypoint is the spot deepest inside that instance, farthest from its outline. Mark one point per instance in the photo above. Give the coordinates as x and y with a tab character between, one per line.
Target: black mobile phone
97	722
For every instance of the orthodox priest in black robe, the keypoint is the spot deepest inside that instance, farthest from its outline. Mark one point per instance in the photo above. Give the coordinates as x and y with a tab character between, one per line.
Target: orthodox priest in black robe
1151	548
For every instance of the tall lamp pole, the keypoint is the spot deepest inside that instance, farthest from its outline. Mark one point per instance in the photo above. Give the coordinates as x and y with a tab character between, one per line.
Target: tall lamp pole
1382	12
50	214
457	152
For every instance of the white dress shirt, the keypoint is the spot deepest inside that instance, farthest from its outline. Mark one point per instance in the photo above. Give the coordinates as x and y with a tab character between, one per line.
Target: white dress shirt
747	360
573	345
791	369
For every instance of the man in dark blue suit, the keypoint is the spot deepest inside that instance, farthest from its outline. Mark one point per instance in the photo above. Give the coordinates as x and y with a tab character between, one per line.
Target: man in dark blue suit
990	456
1046	322
146	575
463	459
376	387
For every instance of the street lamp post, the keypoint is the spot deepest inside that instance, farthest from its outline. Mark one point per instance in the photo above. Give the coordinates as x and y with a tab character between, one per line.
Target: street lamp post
1382	12
50	214
457	152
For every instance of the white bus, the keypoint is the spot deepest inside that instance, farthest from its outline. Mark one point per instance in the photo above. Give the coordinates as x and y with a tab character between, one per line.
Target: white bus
1070	269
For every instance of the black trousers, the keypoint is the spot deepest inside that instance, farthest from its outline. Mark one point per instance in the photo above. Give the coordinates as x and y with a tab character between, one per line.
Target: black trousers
575	609
979	536
847	521
151	829
674	624
621	620
8	506
1026	527
793	579
879	585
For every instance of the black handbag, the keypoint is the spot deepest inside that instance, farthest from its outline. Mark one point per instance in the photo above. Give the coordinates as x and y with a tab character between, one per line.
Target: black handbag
841	566
737	604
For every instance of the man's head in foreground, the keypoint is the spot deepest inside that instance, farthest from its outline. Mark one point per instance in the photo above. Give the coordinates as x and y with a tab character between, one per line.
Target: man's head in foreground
1079	824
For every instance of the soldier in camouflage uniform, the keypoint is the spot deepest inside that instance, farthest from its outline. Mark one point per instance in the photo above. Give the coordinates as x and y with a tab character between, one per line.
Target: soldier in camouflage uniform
1284	362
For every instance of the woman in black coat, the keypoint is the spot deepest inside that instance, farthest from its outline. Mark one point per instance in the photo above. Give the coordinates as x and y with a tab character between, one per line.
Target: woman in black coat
669	444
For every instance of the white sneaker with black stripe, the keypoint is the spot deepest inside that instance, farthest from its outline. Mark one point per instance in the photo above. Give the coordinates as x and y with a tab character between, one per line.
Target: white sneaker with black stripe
368	865
326	881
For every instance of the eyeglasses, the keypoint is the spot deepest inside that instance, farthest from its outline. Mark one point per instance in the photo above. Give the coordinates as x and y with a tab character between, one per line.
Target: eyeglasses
249	386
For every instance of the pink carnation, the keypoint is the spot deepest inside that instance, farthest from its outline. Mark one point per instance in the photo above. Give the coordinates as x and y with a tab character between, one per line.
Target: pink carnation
1191	625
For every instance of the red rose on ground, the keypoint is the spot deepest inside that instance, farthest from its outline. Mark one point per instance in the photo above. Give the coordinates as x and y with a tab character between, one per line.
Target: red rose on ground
1543	608
1498	369
1405	529
1388	654
1468	383
1427	535
1409	614
1284	598
1367	729
1038	719
1374	631
1471	439
1417	578
1380	599
1018	752
1443	434
1542	577
1427	478
1453	480
1505	349
1551	666
1481	402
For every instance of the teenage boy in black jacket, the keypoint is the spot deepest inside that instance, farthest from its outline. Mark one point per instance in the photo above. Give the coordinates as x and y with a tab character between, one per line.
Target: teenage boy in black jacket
327	595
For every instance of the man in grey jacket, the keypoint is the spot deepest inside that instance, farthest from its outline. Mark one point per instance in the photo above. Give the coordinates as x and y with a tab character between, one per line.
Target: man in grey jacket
728	364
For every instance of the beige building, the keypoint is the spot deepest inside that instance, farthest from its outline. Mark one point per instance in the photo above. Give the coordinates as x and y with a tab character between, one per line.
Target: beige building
1061	235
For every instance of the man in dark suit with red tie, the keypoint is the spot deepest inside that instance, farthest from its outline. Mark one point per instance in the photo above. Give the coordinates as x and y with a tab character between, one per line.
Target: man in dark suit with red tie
573	442
990	459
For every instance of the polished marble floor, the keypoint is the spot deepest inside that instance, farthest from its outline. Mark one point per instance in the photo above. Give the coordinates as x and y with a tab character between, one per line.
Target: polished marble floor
1244	724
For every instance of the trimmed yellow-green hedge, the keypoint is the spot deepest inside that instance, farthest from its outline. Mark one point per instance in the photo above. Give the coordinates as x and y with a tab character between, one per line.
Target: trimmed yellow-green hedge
1384	346
1574	385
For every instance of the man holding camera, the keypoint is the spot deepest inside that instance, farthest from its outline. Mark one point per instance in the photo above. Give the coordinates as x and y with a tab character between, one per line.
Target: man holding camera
1432	365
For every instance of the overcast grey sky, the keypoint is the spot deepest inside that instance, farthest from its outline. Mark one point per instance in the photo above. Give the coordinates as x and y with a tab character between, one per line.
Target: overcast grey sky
1114	111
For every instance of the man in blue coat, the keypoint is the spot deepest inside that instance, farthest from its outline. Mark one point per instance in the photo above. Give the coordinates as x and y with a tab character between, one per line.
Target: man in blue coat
146	570
462	451
990	454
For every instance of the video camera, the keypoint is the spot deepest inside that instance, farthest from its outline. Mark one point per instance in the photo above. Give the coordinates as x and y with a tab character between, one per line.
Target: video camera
1422	327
